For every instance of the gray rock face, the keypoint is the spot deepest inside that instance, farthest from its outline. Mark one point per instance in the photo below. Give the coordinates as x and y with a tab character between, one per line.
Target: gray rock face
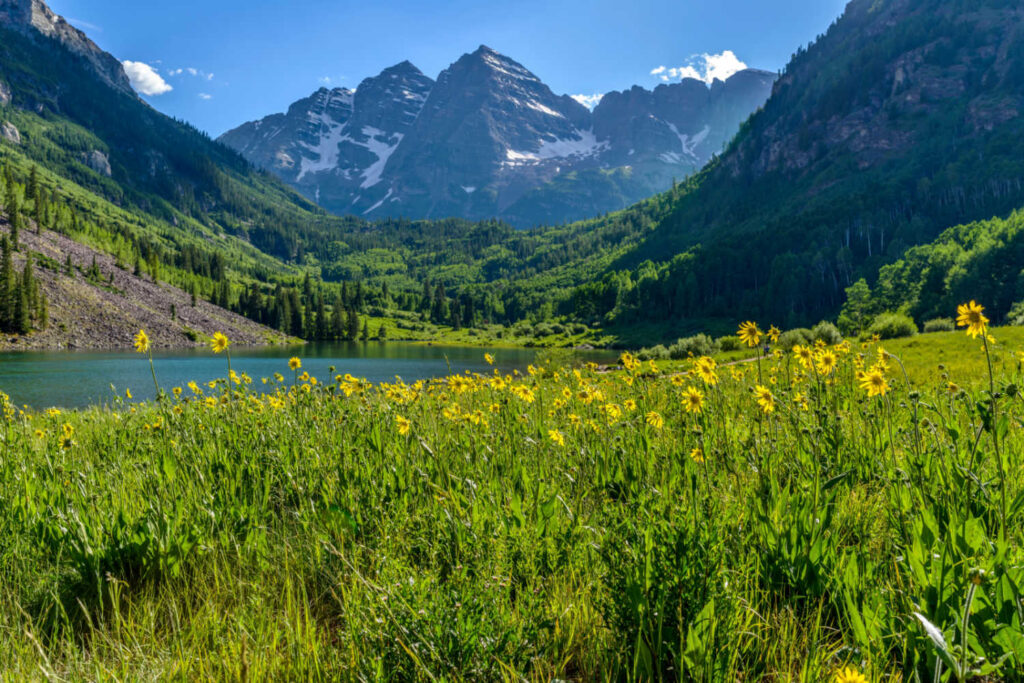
34	17
5	94
99	162
490	139
333	146
9	132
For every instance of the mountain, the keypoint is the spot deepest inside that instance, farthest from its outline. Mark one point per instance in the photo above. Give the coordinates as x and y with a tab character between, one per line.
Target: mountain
903	119
107	177
489	139
31	17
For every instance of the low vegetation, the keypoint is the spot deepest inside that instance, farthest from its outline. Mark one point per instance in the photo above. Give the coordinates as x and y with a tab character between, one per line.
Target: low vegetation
812	514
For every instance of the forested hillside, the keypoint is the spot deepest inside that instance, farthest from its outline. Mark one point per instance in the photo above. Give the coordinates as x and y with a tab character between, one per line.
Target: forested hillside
982	260
904	119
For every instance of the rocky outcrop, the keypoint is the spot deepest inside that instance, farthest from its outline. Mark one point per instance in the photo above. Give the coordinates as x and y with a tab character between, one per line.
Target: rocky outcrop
9	132
490	139
5	94
99	162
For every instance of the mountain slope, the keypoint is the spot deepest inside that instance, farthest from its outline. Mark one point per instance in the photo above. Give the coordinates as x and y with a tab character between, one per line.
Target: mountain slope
489	139
86	127
903	119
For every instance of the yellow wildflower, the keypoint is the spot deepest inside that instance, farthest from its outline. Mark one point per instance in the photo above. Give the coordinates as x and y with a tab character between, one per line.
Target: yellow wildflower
971	316
750	334
142	342
403	425
693	400
219	342
765	398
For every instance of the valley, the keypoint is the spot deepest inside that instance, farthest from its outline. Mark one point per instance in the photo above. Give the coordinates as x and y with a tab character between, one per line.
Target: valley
460	378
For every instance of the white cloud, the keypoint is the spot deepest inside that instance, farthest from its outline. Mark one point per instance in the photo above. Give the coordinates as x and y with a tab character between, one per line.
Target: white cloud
145	79
324	80
588	101
205	96
191	71
704	67
721	66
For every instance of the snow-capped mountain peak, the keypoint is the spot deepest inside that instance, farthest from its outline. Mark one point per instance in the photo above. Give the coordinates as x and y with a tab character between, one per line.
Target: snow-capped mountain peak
487	137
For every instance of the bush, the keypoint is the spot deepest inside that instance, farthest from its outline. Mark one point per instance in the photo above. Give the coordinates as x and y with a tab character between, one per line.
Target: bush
729	343
658	352
940	325
697	345
1016	314
790	338
542	330
558	328
578	328
893	326
827	332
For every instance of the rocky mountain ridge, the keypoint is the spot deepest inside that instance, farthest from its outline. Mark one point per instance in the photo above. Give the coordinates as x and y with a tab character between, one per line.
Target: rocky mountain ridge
30	17
488	138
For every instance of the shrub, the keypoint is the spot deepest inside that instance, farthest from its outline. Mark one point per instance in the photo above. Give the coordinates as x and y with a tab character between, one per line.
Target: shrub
1016	314
893	325
558	328
578	328
827	332
729	343
542	330
940	325
697	345
790	338
658	352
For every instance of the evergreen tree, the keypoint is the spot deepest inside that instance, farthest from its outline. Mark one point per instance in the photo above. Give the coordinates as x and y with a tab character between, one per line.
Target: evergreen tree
366	331
21	323
353	325
7	287
32	189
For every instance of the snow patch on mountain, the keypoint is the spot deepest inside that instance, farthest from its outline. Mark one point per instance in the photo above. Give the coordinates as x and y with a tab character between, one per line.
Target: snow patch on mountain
379	204
508	68
689	145
585	144
383	149
326	151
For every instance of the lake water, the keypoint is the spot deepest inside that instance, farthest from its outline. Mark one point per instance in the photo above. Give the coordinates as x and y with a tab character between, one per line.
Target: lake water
75	379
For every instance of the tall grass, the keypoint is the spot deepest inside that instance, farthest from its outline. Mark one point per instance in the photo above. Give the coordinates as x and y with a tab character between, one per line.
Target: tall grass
565	523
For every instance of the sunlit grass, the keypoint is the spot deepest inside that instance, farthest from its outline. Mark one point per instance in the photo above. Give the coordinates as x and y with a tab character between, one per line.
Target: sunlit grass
563	523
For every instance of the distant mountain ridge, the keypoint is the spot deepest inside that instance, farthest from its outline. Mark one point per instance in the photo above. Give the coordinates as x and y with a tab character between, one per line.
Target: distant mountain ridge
488	139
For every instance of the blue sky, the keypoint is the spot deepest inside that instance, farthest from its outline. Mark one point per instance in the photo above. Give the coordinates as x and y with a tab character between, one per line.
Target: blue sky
229	61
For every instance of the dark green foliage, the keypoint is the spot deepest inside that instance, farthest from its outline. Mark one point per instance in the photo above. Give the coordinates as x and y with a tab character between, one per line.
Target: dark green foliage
979	261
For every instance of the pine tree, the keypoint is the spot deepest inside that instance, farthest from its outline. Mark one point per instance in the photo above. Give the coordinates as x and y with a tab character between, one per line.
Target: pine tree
366	330
353	325
7	287
21	324
13	211
337	319
32	189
